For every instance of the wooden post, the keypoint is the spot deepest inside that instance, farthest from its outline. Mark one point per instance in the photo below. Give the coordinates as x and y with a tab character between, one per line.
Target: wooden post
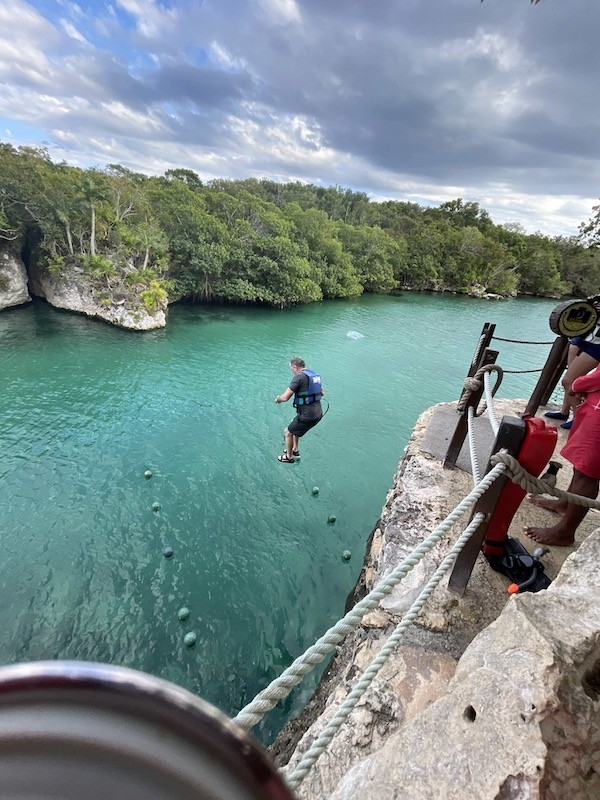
510	437
487	357
553	368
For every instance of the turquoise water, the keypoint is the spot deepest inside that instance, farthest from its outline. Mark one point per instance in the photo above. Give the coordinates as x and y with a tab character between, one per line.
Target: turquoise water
86	408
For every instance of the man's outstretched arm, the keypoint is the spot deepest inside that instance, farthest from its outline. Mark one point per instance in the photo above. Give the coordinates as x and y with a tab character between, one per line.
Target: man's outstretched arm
283	398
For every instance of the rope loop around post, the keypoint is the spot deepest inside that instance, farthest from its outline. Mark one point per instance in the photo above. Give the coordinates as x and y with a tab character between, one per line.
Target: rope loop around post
473	384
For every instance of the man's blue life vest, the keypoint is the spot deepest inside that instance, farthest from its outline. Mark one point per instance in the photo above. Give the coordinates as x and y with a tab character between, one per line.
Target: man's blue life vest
313	393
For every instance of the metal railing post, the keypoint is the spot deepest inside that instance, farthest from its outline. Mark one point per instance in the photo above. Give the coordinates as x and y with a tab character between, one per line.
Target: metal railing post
510	437
551	372
460	433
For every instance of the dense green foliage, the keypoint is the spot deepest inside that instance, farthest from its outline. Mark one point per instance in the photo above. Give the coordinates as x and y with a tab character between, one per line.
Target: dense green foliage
267	242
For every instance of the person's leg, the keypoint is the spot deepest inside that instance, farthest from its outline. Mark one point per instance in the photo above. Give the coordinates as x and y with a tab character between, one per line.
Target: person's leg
580	365
549	503
571	353
295	445
563	533
289	443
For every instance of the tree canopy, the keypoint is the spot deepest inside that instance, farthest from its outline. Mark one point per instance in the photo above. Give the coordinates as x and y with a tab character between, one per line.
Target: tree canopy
260	241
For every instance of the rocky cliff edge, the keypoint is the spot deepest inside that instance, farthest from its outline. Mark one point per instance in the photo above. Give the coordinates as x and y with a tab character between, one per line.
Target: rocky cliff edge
487	698
13	281
72	289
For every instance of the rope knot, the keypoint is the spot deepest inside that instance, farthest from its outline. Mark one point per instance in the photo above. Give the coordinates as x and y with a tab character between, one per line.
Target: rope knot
472	384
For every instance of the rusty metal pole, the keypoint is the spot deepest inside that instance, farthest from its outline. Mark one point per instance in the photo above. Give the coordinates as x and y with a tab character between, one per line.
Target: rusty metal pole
553	368
510	437
487	357
485	338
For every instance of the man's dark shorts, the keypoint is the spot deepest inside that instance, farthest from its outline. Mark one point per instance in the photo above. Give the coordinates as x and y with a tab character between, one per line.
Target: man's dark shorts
592	350
298	426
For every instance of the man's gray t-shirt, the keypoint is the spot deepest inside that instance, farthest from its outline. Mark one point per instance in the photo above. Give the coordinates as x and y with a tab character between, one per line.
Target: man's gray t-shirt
300	383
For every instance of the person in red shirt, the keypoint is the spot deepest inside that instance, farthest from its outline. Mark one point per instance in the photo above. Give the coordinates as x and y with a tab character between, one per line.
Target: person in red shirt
583	451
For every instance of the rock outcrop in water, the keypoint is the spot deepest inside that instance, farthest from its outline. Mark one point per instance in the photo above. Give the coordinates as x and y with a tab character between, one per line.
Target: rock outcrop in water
486	698
118	304
13	281
72	289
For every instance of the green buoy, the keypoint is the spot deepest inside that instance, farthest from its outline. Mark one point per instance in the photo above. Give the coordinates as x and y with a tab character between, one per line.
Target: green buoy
183	614
346	555
331	519
148	474
189	639
155	506
315	490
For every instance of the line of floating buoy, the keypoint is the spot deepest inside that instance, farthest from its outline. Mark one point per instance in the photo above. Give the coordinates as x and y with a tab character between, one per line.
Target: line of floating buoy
183	614
346	555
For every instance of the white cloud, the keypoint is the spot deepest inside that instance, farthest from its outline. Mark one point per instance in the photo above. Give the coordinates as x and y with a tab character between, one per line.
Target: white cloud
72	31
152	19
23	36
505	53
74	9
220	55
131	122
378	98
281	12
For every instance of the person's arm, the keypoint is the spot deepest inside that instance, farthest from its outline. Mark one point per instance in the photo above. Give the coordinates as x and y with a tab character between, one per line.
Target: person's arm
283	398
587	383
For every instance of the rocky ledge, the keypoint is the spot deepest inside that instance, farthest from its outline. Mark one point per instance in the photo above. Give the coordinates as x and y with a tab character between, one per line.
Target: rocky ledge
13	281
72	289
488	697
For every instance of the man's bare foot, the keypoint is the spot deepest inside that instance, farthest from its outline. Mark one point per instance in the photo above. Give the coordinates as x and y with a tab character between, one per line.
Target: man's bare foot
550	503
556	536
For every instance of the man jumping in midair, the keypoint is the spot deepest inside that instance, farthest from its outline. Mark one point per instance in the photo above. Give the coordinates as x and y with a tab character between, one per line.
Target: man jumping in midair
307	390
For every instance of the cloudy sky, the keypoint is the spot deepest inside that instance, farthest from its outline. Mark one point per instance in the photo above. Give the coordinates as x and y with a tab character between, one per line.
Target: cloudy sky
422	100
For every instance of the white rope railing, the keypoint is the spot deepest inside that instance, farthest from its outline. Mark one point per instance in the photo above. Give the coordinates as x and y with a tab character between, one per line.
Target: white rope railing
322	742
475	466
534	485
489	399
265	700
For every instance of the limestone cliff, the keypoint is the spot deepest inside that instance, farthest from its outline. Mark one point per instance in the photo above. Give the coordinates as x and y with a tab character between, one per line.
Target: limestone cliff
13	281
117	303
487	698
123	298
